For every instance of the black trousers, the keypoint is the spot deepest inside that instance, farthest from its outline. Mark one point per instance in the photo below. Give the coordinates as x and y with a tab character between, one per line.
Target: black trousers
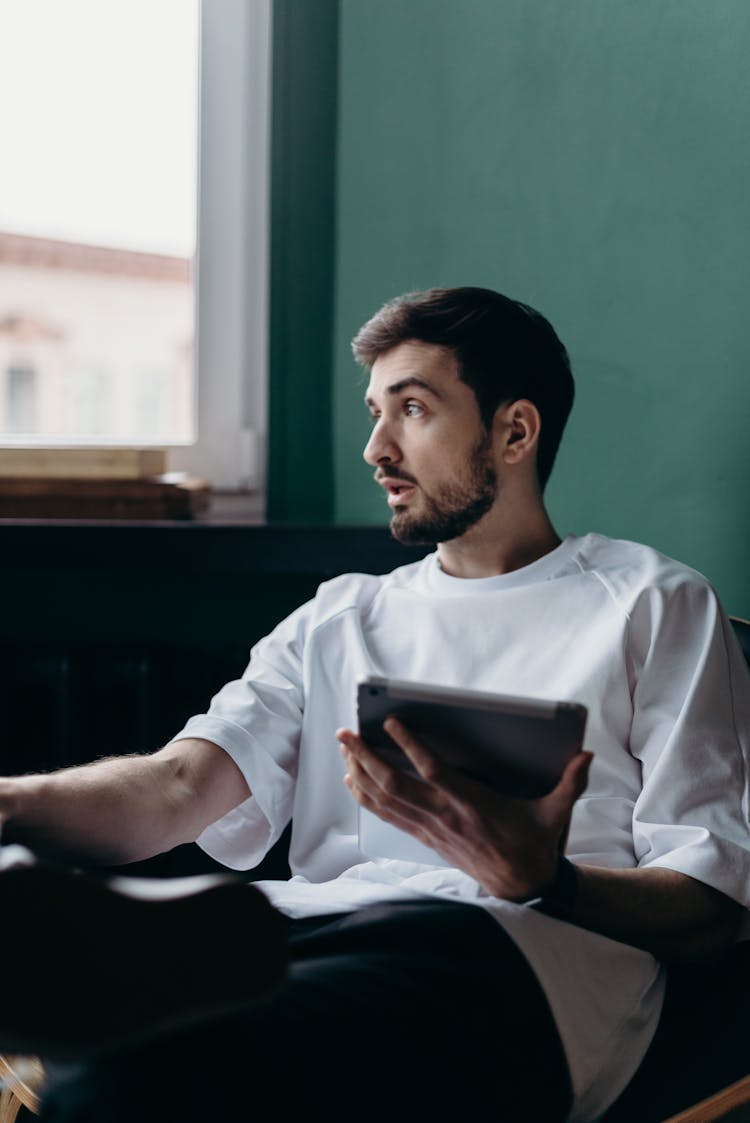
415	1011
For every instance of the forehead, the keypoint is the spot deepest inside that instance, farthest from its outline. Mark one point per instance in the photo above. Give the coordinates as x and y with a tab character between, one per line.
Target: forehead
428	363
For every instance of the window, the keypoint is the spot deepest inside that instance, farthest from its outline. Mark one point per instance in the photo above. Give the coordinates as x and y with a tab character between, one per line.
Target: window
106	298
20	400
89	399
233	245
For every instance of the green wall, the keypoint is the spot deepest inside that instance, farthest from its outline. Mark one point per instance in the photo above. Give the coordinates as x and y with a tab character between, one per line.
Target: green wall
303	198
590	157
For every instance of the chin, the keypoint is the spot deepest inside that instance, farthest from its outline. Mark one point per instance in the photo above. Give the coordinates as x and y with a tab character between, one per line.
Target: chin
410	532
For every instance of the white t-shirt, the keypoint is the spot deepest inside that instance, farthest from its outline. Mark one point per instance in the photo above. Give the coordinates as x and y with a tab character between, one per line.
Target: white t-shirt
634	636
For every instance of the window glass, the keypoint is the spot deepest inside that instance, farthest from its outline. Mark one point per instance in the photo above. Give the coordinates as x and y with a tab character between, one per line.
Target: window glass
20	399
98	130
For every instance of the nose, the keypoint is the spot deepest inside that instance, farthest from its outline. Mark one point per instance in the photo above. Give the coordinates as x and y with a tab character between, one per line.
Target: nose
381	447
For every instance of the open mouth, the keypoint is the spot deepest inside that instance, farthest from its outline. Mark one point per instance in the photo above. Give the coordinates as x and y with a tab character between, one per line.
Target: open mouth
397	493
398	490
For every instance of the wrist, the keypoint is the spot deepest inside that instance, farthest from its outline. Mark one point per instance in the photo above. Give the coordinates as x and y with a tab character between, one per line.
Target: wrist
560	896
19	796
8	805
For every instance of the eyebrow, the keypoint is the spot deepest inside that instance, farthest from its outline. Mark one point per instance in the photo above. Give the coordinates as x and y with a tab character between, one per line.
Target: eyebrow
404	384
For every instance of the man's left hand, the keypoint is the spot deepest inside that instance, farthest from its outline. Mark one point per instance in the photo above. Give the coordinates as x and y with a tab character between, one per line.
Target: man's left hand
510	846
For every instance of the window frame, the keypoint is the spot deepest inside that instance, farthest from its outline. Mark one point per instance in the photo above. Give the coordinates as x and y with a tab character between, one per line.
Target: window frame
231	265
232	251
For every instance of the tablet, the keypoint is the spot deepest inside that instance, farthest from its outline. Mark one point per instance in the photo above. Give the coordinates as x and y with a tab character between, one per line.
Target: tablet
518	746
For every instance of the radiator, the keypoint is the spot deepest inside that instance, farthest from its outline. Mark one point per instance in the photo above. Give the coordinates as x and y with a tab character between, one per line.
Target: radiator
71	706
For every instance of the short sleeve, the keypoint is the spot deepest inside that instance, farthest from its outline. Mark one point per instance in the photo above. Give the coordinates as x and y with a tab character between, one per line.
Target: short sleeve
257	721
690	731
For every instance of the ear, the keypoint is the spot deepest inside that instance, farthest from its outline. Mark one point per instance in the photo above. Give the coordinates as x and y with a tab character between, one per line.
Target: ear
516	427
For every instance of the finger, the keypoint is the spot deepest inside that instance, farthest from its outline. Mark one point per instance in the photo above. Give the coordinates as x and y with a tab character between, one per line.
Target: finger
377	780
426	763
394	782
579	772
572	783
406	816
384	786
357	753
358	772
347	739
355	749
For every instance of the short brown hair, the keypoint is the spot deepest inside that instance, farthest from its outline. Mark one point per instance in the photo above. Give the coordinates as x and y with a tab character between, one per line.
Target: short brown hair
505	351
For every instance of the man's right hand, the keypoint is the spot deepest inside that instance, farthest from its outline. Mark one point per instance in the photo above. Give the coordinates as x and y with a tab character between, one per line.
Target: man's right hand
123	809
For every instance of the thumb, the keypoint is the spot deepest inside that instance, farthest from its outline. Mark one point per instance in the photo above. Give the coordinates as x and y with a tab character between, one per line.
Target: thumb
573	781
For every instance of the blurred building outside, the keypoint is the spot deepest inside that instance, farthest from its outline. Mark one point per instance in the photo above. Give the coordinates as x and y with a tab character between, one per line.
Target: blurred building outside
96	344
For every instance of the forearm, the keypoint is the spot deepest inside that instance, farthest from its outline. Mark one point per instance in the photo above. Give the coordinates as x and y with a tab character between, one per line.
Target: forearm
121	809
511	847
668	913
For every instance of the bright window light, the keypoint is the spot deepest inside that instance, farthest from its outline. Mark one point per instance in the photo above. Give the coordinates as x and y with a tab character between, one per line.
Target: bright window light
98	130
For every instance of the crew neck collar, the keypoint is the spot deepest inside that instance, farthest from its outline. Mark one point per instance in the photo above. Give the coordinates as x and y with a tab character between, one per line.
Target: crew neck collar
549	565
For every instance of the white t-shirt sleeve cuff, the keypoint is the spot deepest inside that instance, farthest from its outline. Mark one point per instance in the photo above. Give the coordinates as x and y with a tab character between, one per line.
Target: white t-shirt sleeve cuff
241	838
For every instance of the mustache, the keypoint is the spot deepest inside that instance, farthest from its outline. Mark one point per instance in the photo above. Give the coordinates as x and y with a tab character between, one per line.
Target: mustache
390	472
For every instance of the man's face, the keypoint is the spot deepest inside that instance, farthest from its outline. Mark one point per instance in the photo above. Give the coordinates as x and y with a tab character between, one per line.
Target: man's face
432	453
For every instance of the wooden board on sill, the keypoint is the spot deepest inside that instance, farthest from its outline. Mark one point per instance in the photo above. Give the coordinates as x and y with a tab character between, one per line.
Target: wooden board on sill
82	463
157	497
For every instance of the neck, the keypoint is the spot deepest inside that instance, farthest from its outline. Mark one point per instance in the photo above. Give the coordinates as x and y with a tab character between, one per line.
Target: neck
498	545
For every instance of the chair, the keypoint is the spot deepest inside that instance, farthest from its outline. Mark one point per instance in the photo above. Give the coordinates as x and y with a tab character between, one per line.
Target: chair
702	1042
22	1079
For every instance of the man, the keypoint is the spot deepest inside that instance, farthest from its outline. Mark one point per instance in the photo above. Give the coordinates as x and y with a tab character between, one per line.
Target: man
495	977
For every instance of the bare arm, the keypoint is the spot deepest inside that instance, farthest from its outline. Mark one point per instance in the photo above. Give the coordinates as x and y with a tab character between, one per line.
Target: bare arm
123	809
666	912
511	847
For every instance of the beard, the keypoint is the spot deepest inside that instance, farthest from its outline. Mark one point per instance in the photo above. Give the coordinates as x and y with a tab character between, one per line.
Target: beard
455	508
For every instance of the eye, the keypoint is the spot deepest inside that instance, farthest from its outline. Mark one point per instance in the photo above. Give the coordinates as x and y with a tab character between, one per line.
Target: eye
413	409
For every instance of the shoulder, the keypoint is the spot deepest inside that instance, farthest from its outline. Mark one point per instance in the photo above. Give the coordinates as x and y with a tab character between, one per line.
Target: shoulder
673	612
348	593
358	592
633	572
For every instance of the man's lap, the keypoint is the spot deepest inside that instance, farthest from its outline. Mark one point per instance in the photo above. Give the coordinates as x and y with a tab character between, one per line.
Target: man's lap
416	1007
